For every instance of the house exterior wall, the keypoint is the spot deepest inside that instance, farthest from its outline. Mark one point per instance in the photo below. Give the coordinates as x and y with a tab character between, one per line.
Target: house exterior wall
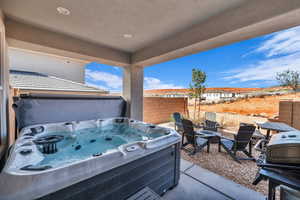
50	65
289	112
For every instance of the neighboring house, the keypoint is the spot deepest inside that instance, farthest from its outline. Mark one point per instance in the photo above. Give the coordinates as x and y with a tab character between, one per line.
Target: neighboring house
33	82
210	94
219	94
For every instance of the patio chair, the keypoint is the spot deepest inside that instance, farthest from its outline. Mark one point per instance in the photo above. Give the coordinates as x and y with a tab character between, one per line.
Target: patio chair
210	122
240	142
211	126
211	116
178	121
192	137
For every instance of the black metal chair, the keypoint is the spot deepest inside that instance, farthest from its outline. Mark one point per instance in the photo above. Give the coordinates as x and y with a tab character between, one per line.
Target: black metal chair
178	121
192	137
240	142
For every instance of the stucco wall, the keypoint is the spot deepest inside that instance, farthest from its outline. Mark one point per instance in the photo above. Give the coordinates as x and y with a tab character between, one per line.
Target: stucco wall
50	65
231	121
159	109
3	85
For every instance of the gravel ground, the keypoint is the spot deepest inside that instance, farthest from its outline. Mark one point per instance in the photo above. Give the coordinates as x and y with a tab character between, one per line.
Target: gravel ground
222	164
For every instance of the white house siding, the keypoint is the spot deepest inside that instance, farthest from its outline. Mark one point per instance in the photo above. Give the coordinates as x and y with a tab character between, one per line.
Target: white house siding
208	96
216	96
50	65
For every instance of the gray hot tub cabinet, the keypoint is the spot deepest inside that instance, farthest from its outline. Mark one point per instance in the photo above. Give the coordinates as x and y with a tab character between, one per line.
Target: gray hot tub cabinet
158	171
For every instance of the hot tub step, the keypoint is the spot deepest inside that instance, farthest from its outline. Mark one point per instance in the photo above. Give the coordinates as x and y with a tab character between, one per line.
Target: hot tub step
145	193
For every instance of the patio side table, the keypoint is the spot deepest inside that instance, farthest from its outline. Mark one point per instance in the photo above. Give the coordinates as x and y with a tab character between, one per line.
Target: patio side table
275	126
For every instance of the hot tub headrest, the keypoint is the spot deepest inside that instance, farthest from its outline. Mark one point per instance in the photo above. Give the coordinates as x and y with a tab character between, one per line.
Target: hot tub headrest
34	109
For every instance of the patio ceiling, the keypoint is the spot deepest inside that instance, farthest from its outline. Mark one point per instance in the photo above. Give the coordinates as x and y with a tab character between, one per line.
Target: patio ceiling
141	32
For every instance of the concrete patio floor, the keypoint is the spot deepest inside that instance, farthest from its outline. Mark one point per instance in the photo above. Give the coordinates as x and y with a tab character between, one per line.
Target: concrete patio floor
197	183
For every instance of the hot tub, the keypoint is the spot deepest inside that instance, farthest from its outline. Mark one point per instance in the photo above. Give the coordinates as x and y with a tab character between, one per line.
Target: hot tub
93	159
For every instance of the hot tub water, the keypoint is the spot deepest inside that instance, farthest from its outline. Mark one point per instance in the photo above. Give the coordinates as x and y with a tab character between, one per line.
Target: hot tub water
79	144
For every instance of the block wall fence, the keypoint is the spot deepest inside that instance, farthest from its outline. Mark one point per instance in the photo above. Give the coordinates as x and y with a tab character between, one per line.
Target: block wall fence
160	109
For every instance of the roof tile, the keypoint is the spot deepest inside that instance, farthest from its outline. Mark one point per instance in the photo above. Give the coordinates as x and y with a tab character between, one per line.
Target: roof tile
38	81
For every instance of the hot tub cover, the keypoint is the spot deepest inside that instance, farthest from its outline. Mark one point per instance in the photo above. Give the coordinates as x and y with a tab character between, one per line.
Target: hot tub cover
32	109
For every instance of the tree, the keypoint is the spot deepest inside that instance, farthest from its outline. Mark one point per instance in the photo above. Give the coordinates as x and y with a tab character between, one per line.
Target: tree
289	78
197	88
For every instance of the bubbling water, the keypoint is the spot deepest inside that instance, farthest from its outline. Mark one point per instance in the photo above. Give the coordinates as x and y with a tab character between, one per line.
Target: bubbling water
82	144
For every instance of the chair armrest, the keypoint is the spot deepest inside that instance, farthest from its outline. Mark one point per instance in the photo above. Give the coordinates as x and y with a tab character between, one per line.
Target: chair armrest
226	138
198	125
219	125
198	133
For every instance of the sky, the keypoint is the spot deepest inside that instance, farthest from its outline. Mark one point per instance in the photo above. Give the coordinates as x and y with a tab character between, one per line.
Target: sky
249	63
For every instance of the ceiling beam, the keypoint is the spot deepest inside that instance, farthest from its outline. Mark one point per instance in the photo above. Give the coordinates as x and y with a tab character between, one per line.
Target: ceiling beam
23	36
255	18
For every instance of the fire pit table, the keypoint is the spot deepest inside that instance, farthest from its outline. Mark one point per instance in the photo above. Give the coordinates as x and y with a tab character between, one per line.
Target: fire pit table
209	135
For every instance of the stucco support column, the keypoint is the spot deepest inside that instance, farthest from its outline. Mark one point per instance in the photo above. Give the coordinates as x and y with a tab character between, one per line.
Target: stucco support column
4	85
133	91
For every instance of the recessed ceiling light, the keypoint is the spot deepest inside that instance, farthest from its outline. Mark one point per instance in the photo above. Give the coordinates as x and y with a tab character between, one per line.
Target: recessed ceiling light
127	35
63	11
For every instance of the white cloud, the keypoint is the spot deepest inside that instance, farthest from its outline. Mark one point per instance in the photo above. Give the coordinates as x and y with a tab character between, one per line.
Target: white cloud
282	51
284	42
154	83
110	80
97	86
265	69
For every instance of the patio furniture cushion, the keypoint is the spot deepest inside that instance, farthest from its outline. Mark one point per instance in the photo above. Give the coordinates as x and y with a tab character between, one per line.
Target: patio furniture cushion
228	143
32	109
201	141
